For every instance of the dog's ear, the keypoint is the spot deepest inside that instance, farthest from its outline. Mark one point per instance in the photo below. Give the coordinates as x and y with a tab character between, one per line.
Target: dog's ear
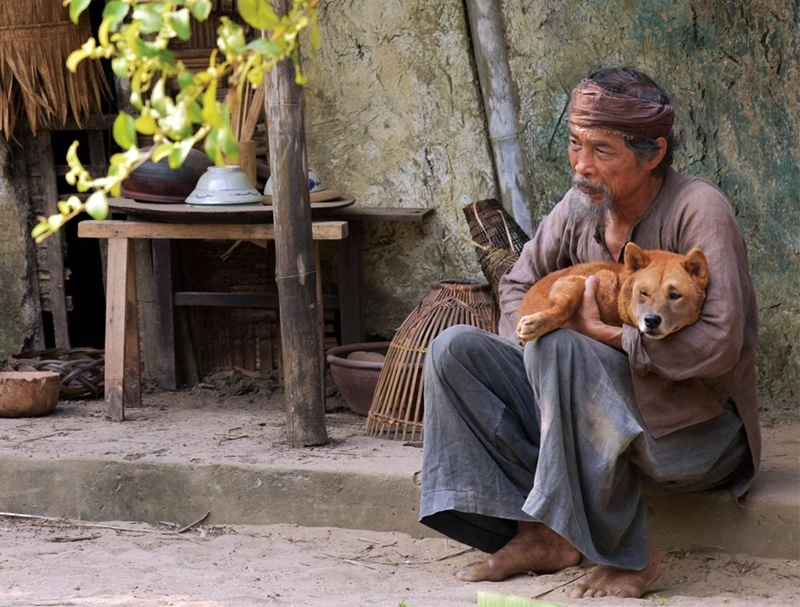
696	266
635	257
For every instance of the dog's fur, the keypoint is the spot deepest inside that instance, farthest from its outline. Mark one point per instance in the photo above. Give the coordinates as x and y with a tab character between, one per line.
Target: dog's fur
655	291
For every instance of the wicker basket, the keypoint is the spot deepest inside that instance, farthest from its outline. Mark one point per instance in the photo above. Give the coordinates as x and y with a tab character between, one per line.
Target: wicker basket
81	370
396	410
498	237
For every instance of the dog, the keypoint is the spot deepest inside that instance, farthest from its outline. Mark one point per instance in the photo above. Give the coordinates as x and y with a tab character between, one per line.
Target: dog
657	292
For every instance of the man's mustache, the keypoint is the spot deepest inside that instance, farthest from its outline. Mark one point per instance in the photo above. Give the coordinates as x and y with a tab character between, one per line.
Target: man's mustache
582	182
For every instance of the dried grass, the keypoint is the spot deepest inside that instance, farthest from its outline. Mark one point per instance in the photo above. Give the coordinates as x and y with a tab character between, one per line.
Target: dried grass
36	37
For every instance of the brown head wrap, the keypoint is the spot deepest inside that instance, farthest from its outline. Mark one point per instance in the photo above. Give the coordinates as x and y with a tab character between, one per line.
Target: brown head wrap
591	106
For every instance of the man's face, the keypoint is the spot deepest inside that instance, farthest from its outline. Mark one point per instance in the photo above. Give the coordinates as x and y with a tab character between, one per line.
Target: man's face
607	171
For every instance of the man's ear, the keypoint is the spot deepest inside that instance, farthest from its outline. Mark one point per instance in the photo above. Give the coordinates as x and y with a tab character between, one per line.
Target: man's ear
653	161
635	257
696	266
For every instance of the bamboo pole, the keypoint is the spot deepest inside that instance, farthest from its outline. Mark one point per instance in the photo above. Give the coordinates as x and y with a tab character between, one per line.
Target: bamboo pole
500	103
295	263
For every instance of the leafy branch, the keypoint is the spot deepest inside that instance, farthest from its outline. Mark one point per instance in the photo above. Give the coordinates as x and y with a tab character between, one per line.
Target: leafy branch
135	35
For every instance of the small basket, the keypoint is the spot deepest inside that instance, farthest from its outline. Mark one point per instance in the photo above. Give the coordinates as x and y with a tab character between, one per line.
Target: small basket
397	407
81	370
499	239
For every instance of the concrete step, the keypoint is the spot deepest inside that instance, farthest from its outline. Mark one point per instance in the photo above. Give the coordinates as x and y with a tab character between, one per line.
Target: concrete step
177	461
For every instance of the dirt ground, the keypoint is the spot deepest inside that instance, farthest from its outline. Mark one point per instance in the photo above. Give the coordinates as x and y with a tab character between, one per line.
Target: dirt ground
233	418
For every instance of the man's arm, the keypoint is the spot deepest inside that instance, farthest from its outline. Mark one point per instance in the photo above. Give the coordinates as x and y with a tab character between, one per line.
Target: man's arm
587	319
538	257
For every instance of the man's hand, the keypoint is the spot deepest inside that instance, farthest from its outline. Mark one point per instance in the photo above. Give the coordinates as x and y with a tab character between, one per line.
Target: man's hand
587	319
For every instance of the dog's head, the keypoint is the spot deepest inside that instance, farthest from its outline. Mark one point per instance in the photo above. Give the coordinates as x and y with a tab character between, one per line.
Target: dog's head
662	292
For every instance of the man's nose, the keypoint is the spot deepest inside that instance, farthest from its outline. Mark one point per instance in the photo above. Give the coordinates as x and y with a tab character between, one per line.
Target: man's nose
583	162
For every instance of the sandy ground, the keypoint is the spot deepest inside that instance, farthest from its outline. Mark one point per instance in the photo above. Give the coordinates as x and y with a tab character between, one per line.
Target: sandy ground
236	419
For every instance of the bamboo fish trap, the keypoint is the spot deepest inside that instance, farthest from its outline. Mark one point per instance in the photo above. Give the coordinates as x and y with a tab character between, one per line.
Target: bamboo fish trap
397	407
498	238
36	37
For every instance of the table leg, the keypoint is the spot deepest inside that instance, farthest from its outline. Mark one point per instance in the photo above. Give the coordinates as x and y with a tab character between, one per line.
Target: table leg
351	284
122	383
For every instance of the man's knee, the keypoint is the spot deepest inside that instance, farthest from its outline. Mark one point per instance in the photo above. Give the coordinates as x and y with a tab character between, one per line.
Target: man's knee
455	340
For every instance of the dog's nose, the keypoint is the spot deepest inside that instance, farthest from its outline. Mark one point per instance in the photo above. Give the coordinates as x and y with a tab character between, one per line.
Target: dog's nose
652	321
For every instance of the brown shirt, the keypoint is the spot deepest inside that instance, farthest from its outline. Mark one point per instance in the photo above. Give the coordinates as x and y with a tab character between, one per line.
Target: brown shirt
686	378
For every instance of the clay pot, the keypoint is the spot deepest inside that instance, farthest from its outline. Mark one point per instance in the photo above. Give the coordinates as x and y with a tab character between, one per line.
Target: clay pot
28	393
156	182
355	369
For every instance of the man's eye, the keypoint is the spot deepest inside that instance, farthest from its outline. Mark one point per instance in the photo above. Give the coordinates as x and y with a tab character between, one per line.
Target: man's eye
674	295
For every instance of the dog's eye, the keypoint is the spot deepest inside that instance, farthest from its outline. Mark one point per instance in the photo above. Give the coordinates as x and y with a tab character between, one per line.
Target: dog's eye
674	296
643	293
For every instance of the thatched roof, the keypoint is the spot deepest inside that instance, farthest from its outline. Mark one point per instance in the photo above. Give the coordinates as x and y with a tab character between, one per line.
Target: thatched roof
36	37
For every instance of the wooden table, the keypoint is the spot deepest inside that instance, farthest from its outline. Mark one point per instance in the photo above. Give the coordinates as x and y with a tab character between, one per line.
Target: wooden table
122	356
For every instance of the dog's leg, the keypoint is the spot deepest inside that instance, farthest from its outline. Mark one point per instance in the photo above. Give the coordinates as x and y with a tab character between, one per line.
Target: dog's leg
565	297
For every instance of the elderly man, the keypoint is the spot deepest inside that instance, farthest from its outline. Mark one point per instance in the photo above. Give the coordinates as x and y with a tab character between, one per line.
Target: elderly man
539	455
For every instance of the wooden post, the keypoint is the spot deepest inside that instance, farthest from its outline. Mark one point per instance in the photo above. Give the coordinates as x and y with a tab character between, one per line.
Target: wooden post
500	102
295	263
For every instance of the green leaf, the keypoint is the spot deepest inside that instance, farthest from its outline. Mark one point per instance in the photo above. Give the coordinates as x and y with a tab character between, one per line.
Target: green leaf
75	57
158	98
40	229
211	147
228	144
231	40
76	7
185	80
211	114
162	151
258	14
124	131
265	46
97	206
179	21
148	17
179	154
146	124
200	9
117	11
313	33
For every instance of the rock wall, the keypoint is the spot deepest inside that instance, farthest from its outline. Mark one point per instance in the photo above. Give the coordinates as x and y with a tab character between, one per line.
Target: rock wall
19	307
395	119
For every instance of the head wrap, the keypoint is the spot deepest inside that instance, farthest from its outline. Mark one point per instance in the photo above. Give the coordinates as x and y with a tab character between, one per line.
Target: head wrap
594	107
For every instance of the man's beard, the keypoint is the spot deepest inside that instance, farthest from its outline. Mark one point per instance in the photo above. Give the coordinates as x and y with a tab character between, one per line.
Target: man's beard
588	207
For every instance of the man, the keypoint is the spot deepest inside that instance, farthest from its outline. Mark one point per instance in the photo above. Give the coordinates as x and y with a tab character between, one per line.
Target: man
539	456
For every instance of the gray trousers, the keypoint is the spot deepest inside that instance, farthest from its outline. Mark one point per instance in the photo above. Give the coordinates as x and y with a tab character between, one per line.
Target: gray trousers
552	434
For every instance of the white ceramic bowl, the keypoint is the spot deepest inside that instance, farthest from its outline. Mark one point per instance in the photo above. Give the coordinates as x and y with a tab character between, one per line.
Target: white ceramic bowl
315	183
224	185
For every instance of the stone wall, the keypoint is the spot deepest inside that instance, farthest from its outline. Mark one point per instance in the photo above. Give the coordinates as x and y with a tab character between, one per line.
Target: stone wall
395	119
19	305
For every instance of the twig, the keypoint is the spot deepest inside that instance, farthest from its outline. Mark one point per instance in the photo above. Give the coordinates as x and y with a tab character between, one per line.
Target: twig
29	440
237	437
197	522
64	521
82	538
575	579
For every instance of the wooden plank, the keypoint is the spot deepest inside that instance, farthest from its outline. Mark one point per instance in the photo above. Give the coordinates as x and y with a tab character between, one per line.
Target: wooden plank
113	228
357	213
351	285
239	300
116	305
164	369
132	367
55	244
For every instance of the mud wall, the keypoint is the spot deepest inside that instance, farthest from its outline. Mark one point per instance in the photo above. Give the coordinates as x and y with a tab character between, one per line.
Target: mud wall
395	119
19	305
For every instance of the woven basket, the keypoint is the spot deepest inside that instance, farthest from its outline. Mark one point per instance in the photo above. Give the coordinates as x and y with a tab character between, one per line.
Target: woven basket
81	370
498	237
396	410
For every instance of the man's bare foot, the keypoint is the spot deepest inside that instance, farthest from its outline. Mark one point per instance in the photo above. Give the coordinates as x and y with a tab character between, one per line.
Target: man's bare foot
535	548
607	581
